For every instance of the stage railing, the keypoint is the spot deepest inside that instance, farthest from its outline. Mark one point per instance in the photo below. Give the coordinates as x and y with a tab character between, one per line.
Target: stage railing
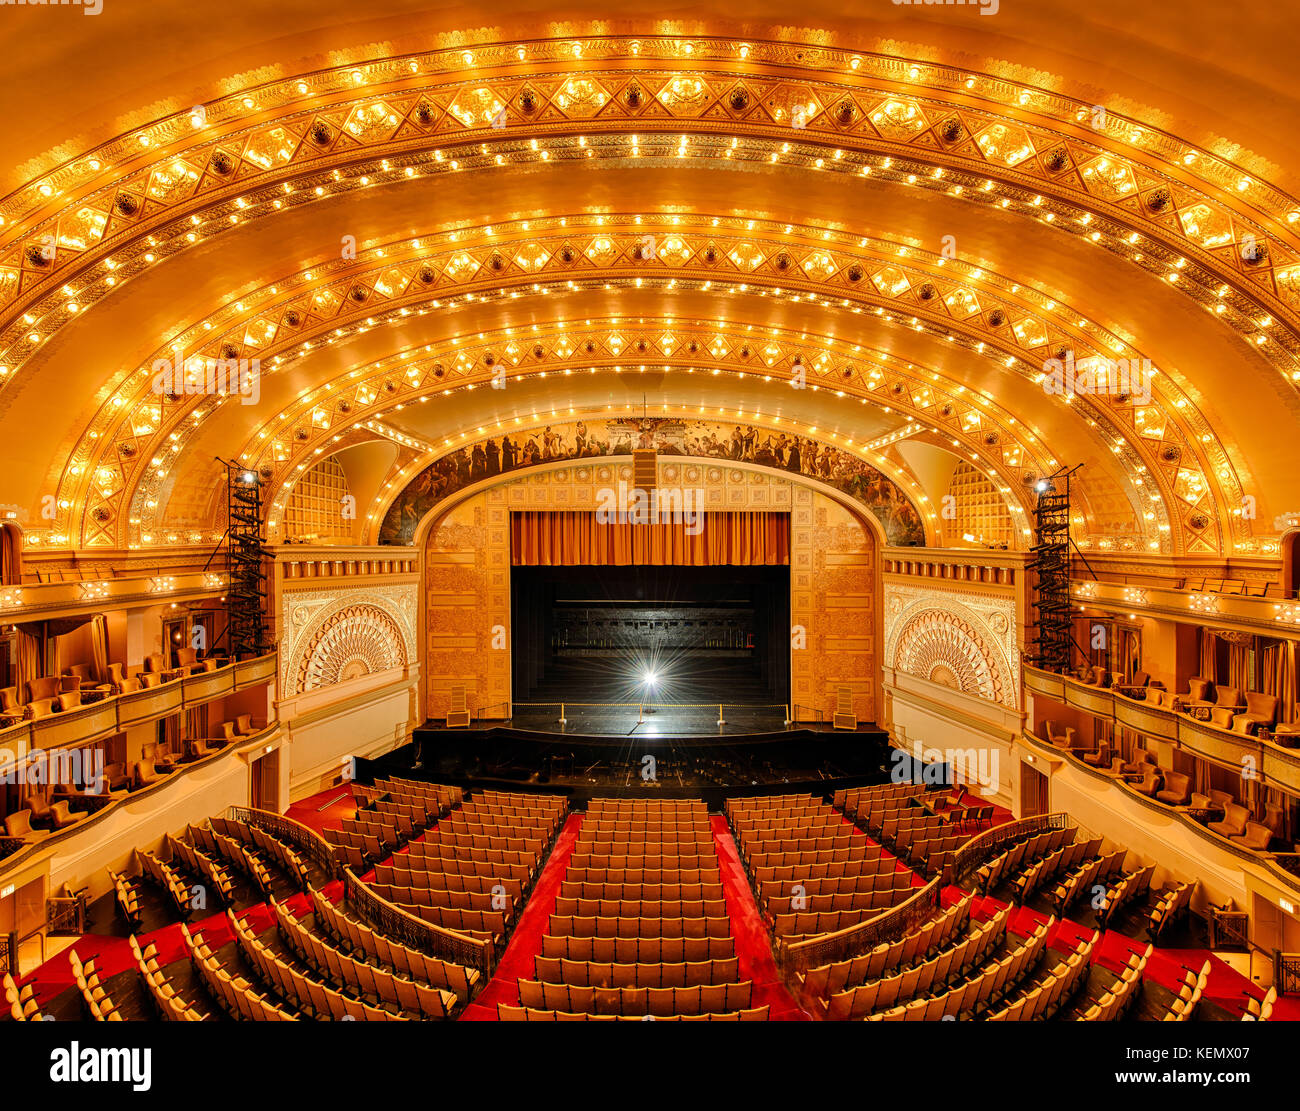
789	720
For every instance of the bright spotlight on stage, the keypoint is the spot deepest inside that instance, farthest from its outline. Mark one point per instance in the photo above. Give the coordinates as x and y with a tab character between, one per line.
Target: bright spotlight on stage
649	678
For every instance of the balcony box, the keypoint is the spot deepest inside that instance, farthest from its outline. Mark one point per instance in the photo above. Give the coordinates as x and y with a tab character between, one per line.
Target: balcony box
141	706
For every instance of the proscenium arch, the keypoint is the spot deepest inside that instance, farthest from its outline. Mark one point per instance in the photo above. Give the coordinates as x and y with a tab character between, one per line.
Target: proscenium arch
865	520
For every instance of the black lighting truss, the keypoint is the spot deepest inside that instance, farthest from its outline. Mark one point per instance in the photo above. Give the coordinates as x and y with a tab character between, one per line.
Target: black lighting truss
246	597
1050	646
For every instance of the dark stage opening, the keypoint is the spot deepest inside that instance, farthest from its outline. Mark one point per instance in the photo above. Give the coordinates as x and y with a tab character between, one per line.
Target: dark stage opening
654	634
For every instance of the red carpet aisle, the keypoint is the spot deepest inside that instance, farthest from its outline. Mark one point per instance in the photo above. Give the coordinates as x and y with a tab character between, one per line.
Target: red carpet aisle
753	945
307	811
526	942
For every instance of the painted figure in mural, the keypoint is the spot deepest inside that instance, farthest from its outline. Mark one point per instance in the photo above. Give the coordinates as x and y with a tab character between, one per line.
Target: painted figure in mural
669	436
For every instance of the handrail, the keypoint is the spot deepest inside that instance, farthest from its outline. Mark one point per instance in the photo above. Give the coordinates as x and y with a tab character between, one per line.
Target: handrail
890	925
988	844
412	931
287	829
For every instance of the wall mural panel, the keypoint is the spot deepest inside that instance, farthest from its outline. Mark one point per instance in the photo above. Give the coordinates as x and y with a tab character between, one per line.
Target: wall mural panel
964	639
669	436
832	579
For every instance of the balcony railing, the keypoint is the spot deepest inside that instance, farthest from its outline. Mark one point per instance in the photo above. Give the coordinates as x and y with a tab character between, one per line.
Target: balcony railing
16	853
119	712
1275	764
1281	866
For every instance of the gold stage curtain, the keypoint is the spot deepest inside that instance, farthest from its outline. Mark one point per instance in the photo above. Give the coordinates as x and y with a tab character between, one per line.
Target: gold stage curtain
564	539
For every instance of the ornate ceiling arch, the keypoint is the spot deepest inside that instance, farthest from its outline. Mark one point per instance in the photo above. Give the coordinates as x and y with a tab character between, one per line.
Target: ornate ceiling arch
891	281
1217	240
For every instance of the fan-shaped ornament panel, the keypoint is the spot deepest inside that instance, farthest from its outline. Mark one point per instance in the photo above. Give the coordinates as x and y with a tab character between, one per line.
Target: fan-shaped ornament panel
351	643
943	648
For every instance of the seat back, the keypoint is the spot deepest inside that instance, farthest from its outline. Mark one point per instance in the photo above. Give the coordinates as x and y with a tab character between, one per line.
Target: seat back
1262	705
47	686
19	823
1228	697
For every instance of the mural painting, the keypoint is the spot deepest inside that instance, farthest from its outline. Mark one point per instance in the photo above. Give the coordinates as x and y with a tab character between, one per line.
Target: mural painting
668	436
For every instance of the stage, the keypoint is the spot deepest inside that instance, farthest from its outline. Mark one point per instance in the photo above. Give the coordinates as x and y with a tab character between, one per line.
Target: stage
614	756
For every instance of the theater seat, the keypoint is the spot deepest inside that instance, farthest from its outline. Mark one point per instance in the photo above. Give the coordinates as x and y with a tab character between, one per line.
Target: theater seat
1177	789
19	824
1233	824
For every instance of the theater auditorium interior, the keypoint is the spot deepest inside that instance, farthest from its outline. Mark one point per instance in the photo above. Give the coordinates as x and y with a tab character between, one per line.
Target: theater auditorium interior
729	513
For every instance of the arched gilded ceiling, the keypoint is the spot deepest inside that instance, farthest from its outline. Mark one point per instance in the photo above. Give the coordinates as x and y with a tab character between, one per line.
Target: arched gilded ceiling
855	232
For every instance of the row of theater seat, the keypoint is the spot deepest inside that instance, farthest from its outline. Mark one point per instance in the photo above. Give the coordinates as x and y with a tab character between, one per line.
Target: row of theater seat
303	993
168	1002
470	872
356	937
1118	998
235	995
640	927
933	976
916	946
792	846
1020	853
20	1002
94	996
1036	869
659	1002
359	978
988	987
1044	1000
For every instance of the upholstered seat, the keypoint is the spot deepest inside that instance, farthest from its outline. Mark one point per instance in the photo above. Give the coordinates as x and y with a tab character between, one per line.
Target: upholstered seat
61	815
1150	782
1099	759
1261	710
10	703
1060	740
1257	837
1200	694
1135	687
146	774
45	687
1177	790
43	708
19	824
1235	817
